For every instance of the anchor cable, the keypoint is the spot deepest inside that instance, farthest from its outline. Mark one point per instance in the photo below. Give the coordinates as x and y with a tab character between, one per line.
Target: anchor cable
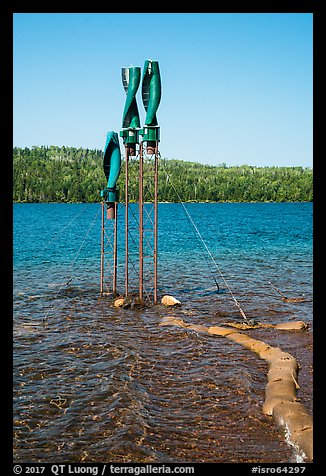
59	232
70	274
207	249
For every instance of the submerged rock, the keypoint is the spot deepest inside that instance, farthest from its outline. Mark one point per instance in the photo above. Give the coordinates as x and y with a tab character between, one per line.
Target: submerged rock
172	321
129	302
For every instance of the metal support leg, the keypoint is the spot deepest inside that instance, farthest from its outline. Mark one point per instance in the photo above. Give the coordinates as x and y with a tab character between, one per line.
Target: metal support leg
126	222
155	220
141	227
102	252
109	237
115	250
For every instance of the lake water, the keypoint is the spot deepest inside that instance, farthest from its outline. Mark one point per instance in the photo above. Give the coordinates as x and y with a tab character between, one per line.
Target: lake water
94	384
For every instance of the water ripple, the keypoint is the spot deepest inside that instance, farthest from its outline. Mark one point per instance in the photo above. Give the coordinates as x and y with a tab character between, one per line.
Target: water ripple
95	383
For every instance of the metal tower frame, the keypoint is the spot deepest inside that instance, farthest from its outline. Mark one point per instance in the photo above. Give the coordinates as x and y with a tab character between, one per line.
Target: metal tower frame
143	278
147	223
109	250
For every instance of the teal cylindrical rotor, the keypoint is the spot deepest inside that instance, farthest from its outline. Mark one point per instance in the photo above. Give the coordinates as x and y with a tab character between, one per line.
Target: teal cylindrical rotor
131	80
151	91
111	166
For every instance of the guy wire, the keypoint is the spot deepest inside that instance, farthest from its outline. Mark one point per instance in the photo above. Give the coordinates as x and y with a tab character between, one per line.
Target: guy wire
207	249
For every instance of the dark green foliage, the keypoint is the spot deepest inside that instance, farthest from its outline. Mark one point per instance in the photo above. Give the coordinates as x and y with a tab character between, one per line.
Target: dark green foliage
68	174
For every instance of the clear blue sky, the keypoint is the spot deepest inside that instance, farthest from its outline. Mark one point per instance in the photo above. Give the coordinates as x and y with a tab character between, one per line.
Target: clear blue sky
236	88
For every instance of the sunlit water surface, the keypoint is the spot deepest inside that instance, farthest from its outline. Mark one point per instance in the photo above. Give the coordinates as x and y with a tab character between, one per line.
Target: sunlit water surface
93	383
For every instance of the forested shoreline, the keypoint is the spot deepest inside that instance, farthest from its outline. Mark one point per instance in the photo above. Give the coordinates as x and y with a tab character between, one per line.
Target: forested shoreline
69	174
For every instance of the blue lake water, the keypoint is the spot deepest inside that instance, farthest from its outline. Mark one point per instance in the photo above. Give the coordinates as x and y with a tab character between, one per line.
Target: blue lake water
95	383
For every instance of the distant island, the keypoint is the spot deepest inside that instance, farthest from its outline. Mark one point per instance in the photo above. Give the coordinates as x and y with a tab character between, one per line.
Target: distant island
69	174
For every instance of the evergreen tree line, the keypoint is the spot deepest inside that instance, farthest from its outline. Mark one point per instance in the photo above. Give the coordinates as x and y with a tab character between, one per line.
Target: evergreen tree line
69	174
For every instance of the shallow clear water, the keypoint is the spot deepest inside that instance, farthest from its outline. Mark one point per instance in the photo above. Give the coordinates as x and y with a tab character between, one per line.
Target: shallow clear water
95	383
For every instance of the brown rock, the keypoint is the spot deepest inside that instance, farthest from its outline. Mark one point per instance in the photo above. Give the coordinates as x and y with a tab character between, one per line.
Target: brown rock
240	338
255	345
280	388
220	331
285	408
292	326
298	422
293	299
275	354
289	364
284	373
271	402
304	441
197	327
